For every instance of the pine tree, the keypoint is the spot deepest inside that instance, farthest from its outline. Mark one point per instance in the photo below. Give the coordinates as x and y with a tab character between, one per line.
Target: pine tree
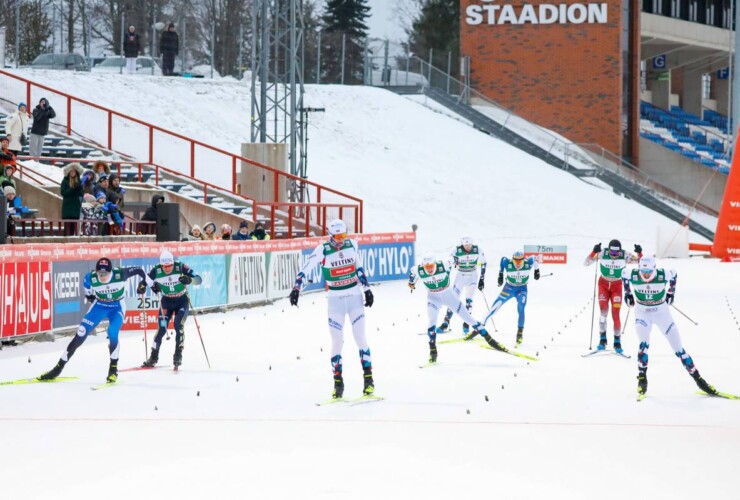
437	27
344	18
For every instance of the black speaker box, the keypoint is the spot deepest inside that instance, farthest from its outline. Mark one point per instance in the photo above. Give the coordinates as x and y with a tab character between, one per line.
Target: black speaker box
168	222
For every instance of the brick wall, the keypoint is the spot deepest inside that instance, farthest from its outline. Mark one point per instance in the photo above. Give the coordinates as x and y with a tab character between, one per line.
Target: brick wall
565	77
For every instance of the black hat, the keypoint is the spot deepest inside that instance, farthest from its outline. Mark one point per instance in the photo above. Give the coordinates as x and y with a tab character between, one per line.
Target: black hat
104	264
171	25
244	224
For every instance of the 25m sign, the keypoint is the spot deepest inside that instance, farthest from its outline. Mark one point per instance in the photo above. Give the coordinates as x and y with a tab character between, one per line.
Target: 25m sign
25	298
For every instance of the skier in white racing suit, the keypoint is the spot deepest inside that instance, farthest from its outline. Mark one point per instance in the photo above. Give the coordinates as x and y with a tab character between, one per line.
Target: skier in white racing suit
466	258
342	270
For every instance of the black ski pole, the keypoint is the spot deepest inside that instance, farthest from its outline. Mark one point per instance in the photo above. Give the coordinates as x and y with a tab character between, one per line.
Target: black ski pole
593	309
546	275
199	335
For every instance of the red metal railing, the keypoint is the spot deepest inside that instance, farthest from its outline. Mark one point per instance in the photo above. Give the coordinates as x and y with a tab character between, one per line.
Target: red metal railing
160	146
31	228
284	219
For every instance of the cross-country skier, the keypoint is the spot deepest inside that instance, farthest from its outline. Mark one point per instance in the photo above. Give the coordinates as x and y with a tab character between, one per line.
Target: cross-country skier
612	262
517	271
171	278
466	258
435	274
655	288
347	282
105	288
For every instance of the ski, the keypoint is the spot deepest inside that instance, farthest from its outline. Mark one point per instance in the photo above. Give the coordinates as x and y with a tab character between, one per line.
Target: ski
351	402
621	355
429	364
24	381
460	339
595	352
104	386
513	353
331	401
719	395
142	368
640	397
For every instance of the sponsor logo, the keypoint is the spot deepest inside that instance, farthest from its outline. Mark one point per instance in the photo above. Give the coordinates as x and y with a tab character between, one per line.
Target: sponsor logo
342	271
733	251
734	204
67	285
734	227
285	268
249	275
25	298
547	13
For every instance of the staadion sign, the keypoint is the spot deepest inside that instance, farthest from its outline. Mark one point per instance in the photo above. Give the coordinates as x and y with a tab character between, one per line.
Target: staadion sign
490	13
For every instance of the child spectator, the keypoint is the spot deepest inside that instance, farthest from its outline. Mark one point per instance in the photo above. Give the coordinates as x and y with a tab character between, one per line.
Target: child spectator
243	232
225	232
259	232
7	158
113	214
195	234
9	197
209	231
93	215
16	127
71	191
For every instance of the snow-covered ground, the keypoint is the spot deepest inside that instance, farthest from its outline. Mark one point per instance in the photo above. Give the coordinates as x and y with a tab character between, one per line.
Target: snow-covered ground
562	427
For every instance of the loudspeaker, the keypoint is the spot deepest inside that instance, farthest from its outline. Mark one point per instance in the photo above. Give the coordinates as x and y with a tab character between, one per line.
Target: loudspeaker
168	222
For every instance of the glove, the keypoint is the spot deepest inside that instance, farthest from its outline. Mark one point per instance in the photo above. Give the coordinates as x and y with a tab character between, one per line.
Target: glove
90	298
294	297
629	299
638	249
536	274
500	280
369	299
185	279
412	286
597	248
481	284
141	288
156	288
669	298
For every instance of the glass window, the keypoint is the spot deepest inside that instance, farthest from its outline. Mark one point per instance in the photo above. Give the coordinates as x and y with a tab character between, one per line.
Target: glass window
706	85
44	59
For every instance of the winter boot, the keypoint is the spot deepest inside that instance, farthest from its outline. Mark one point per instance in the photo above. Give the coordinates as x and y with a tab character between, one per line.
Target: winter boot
153	359
54	372
432	352
642	382
112	372
702	384
177	358
369	387
618	344
602	342
466	328
338	387
519	335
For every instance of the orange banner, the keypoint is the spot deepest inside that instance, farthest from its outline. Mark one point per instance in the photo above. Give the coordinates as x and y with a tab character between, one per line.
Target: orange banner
727	236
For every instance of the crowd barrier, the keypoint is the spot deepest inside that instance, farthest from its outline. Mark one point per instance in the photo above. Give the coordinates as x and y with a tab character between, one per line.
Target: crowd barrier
41	286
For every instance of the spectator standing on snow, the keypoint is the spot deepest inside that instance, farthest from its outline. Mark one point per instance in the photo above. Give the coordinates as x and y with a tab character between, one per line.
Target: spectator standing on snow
169	46
41	116
131	48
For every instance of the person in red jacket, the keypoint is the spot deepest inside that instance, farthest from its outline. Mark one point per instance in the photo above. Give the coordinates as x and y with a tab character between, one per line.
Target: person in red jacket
612	262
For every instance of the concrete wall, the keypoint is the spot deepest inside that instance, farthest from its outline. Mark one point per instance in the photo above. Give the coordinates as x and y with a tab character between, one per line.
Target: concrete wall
682	175
48	204
255	182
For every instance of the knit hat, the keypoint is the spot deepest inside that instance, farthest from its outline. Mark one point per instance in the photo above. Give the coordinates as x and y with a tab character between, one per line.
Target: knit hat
9	190
102	178
101	194
244	224
21	104
88	198
226	228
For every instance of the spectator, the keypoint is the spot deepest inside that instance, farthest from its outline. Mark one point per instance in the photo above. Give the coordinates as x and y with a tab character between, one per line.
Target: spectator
115	187
169	45
7	176
131	49
89	180
100	167
72	192
93	215
225	232
101	186
151	212
259	232
195	234
114	215
209	231
41	116
243	232
16	128
9	197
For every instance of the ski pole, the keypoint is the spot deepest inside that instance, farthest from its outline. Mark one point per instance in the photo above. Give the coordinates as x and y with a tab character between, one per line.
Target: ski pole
546	275
485	300
684	315
146	324
199	335
626	320
593	308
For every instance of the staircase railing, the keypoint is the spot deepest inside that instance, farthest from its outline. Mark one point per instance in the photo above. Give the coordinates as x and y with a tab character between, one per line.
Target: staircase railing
166	149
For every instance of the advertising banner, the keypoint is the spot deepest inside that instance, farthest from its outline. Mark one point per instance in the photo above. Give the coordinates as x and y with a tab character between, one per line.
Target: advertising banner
141	311
213	291
247	278
69	296
282	268
547	254
25	298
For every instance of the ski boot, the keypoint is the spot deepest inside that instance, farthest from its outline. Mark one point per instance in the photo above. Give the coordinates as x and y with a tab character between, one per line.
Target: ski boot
153	359
369	387
54	372
466	328
338	387
112	372
642	383
618	345
491	341
443	327
432	352
702	384
602	342
519	336
177	358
